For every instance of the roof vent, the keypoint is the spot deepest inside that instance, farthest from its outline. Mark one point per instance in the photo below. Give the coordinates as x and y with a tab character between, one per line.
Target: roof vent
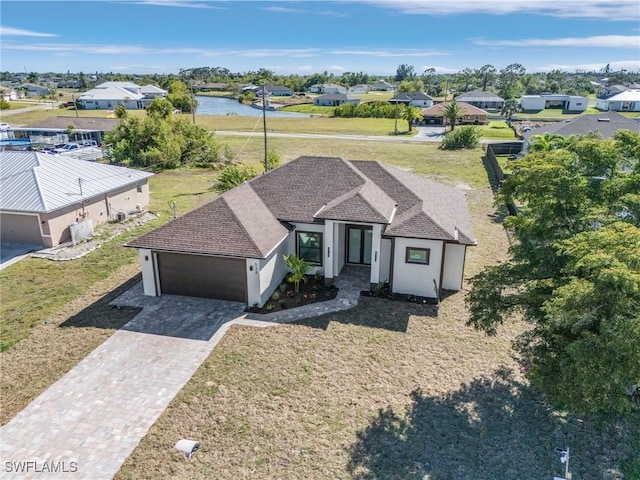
604	119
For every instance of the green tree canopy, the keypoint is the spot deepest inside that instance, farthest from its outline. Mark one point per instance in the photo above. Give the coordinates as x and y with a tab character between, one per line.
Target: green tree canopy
161	141
180	97
574	272
452	112
411	114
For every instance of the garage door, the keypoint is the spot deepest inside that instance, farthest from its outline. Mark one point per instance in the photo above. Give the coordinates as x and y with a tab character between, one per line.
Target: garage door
199	276
20	228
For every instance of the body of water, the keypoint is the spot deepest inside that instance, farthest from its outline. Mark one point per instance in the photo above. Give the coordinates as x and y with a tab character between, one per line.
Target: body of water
227	106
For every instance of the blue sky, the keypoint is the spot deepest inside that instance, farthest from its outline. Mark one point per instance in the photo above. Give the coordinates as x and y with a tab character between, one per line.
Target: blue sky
163	36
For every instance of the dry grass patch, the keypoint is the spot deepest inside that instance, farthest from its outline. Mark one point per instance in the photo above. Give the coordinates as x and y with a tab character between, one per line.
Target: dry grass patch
62	340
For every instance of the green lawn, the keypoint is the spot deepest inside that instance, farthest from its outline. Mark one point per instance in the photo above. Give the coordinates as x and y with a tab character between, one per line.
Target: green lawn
497	130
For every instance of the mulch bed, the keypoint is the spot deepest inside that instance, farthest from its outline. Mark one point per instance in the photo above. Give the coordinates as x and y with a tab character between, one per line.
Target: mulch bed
285	297
385	292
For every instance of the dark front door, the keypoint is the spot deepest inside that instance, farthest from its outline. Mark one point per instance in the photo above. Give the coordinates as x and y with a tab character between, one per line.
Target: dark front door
359	244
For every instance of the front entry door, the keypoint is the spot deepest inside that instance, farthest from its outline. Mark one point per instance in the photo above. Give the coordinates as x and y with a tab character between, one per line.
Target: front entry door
359	244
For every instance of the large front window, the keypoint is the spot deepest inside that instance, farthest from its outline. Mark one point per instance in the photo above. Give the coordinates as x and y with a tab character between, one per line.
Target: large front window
310	247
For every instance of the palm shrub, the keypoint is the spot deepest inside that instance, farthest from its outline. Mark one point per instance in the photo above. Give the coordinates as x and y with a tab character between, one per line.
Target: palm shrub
464	137
299	268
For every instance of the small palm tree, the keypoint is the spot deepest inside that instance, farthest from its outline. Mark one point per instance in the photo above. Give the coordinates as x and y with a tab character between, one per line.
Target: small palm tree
509	109
411	113
299	268
451	113
546	142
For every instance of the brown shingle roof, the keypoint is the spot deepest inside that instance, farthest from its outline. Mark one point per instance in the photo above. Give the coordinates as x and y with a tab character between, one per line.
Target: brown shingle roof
438	110
246	221
236	224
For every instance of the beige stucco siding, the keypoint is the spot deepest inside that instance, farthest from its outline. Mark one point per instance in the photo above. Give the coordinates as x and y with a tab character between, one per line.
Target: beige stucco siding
100	209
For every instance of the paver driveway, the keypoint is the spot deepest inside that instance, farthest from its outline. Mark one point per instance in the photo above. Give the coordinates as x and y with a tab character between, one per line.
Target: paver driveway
87	423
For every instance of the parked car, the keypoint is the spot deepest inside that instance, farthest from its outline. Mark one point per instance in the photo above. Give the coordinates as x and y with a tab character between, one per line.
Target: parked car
67	147
4	127
88	143
69	104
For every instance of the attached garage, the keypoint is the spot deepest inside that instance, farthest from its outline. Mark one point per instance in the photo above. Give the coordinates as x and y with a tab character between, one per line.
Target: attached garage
202	276
20	228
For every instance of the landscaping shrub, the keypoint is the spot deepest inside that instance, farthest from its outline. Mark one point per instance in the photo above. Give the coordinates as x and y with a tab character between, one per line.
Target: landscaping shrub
234	175
463	137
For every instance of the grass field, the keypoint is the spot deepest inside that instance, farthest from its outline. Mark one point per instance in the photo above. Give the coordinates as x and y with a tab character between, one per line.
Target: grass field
497	130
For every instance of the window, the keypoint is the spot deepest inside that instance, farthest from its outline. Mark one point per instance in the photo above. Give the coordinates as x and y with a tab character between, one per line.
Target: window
139	187
310	247
417	255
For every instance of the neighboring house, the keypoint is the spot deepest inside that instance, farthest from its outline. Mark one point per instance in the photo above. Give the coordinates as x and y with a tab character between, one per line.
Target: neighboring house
417	99
49	130
108	95
606	124
382	86
360	88
334	100
43	194
606	91
327	88
480	99
9	94
33	90
568	103
402	228
627	101
69	84
275	90
470	115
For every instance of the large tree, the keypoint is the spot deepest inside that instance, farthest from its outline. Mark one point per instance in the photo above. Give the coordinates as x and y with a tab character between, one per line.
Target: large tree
161	140
486	75
509	109
574	272
405	72
411	114
180	97
509	80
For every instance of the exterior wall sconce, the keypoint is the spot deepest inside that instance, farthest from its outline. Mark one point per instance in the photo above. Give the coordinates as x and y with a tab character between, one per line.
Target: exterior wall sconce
375	256
328	252
146	258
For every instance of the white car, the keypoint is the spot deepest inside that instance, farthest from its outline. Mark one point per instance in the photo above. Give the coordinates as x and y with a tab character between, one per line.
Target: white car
67	147
4	127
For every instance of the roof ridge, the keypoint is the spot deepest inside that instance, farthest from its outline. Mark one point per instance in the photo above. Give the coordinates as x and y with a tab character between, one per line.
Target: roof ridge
238	221
36	180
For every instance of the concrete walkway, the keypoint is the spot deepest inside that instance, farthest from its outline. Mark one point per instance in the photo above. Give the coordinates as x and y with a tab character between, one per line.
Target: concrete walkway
88	422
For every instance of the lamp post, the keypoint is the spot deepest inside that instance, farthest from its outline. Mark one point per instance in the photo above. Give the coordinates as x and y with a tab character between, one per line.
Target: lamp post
264	126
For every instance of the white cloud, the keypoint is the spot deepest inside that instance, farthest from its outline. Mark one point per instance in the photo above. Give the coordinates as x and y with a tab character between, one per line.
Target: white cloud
604	41
305	68
388	53
337	68
626	10
139	68
179	4
438	69
18	32
278	9
275	52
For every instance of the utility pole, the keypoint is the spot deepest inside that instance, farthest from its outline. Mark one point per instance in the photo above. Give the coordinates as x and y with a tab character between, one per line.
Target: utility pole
264	126
75	107
395	128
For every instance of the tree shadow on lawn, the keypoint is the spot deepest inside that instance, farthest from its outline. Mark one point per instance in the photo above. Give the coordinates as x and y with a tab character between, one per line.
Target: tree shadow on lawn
374	313
102	315
494	427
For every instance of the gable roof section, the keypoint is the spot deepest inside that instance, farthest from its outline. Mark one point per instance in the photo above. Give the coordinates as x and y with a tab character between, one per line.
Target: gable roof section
237	224
110	93
409	96
366	203
629	95
438	109
39	183
607	123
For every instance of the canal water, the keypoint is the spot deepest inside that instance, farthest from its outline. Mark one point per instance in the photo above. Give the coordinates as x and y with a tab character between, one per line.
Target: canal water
227	106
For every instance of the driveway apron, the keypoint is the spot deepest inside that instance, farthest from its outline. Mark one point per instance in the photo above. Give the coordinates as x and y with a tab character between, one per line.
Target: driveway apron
88	422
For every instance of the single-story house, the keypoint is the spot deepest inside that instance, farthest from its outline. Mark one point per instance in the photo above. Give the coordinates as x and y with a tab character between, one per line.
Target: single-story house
51	130
335	99
108	95
383	86
34	90
470	115
606	124
403	228
606	91
417	99
482	99
275	90
627	101
360	88
328	88
9	94
568	103
44	197
69	84
211	86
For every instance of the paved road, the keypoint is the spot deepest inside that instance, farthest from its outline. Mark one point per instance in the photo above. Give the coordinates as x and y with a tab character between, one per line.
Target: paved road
425	134
39	106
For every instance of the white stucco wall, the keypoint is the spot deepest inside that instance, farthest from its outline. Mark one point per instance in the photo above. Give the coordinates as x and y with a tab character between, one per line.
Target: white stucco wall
342	242
273	271
577	103
385	259
411	278
532	102
453	266
148	271
252	271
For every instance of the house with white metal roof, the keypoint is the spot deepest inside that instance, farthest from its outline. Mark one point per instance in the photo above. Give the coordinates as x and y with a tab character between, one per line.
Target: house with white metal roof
44	197
108	95
626	101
